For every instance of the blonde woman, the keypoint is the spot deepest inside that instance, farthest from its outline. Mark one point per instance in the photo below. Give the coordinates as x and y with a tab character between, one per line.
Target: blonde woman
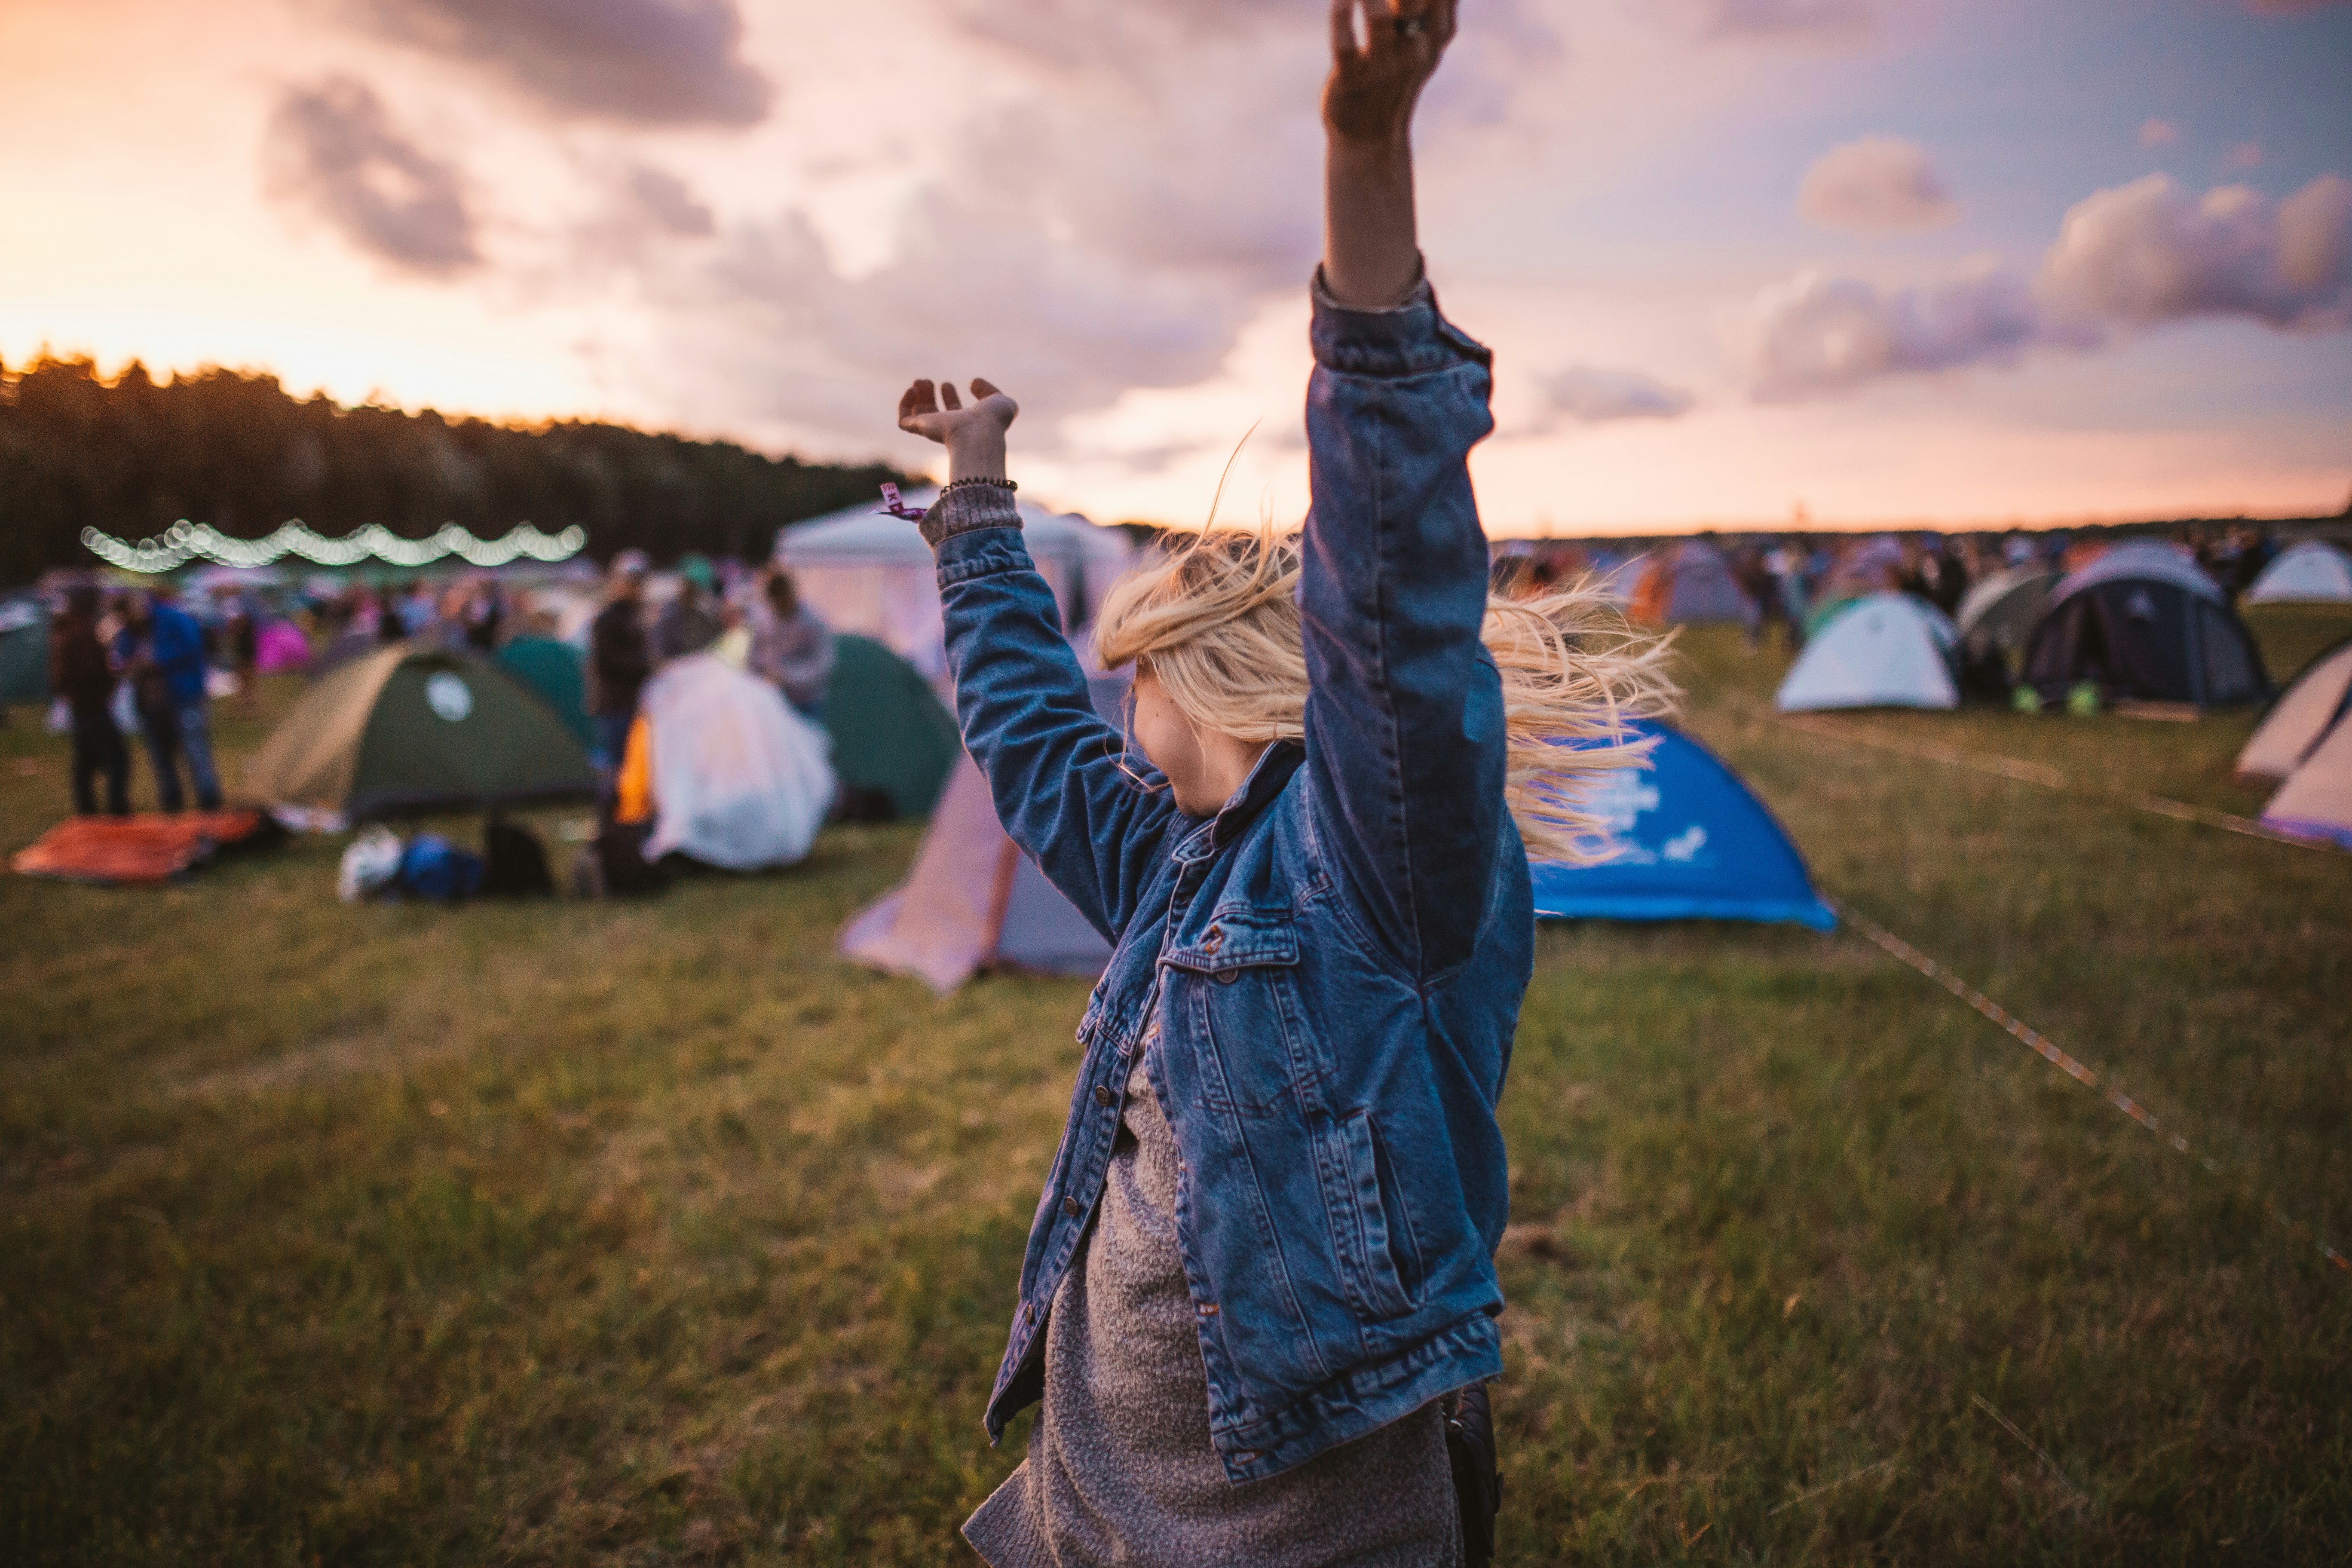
1260	1287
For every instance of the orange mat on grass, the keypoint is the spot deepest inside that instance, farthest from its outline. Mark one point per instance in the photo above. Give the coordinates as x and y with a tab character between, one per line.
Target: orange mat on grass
153	847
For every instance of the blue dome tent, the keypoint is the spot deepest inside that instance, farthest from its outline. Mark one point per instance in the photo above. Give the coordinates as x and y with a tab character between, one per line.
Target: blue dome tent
1693	845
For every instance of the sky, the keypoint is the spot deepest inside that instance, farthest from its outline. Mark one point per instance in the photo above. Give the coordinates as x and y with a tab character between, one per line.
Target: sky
1868	262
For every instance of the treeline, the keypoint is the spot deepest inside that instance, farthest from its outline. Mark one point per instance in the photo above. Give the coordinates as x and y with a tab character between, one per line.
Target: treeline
131	456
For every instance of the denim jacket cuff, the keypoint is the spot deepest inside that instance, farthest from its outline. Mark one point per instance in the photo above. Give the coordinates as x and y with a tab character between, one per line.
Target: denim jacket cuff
980	551
1411	338
967	510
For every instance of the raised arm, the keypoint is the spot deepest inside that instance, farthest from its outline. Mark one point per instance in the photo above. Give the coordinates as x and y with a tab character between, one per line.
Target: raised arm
1404	718
1054	770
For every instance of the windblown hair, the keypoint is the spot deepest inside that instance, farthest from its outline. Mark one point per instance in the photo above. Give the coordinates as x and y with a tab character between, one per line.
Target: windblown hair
1217	620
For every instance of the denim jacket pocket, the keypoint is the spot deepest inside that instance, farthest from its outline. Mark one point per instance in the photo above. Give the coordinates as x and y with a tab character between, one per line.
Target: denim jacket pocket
1369	1230
1240	988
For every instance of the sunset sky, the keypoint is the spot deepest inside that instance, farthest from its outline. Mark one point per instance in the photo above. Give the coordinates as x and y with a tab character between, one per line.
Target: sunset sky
1888	260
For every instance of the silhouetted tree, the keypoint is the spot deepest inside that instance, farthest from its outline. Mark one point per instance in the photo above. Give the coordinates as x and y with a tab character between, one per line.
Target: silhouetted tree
235	450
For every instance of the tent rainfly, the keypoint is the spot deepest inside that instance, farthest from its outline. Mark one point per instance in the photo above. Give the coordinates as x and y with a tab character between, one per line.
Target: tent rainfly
892	738
974	899
412	729
2312	573
2300	717
870	573
1690	843
2143	622
1885	651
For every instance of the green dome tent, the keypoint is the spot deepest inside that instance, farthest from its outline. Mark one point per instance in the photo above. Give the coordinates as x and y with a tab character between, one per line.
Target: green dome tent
891	736
413	728
24	652
558	674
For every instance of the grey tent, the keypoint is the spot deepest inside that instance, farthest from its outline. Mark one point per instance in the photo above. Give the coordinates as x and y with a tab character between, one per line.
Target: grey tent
2300	717
2143	623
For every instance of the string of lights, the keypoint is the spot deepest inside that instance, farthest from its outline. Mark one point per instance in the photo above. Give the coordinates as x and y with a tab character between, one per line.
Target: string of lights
185	542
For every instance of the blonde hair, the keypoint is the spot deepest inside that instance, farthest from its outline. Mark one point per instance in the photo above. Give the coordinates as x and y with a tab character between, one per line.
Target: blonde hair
1217	620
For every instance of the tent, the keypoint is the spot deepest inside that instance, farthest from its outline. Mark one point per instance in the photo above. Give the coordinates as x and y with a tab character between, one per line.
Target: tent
557	676
1885	651
2314	572
2142	622
412	728
739	780
2000	613
2300	717
1692	844
24	652
892	739
972	899
866	572
2315	801
1690	581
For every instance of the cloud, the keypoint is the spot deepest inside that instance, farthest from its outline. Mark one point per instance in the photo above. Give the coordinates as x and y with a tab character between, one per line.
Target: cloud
2150	252
1587	395
2128	259
1822	335
1880	185
2159	134
332	148
658	62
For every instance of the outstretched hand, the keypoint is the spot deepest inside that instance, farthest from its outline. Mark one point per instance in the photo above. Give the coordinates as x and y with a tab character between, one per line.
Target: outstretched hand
974	437
1377	79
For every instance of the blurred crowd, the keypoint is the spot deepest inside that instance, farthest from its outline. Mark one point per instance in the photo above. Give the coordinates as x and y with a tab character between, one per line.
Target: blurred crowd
143	665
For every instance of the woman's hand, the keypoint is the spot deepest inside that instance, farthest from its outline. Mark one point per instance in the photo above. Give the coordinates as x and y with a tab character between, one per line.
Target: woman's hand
1372	258
1375	83
973	436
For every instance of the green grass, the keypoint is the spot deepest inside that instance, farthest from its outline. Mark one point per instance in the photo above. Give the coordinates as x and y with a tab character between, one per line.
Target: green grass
636	1233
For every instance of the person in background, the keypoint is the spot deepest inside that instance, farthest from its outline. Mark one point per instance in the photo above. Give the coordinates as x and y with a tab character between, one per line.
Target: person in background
241	640
484	615
619	658
162	650
688	623
81	678
790	645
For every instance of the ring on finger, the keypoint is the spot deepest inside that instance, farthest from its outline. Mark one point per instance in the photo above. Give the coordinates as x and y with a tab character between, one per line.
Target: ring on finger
1411	27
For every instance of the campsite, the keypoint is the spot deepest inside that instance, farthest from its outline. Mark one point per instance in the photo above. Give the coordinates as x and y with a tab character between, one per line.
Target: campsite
564	1230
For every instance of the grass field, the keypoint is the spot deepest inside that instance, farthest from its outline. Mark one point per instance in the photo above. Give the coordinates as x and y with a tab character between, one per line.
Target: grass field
637	1233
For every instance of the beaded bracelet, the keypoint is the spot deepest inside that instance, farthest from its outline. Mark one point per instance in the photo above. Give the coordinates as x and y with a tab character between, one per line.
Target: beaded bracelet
954	485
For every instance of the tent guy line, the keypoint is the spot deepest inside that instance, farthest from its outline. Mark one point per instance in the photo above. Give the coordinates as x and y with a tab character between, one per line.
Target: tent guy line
2051	778
2050	1051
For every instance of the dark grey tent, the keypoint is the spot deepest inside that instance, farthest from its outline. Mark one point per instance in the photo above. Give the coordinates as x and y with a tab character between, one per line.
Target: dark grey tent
413	728
2143	623
24	651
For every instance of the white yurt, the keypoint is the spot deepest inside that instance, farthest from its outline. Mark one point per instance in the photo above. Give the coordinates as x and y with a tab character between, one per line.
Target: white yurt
2312	573
865	570
1882	650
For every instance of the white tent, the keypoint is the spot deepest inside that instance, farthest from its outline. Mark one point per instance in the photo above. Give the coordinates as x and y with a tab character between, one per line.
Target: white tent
866	572
1884	650
2301	717
739	780
2315	802
2314	572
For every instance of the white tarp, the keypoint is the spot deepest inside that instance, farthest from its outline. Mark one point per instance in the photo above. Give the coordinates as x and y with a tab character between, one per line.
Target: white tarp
2312	573
739	780
1884	650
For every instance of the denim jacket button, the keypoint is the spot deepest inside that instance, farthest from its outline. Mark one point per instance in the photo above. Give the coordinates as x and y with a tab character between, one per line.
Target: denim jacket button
1102	1096
1070	1207
1227	976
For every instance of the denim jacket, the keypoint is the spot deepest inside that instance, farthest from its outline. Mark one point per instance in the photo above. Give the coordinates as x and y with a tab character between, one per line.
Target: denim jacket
1324	978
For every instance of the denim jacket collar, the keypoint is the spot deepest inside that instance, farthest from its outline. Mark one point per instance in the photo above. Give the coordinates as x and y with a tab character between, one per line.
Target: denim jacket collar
1266	777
